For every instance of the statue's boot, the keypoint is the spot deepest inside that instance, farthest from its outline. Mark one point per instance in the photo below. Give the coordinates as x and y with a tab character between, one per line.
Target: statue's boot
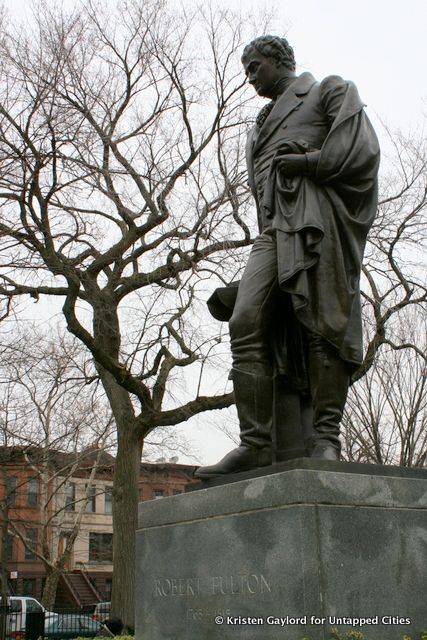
329	382
254	401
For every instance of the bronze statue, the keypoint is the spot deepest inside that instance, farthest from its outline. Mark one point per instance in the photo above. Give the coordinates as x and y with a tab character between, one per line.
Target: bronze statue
313	160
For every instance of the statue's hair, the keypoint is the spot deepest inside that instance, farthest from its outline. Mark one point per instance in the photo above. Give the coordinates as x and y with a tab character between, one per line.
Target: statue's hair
273	47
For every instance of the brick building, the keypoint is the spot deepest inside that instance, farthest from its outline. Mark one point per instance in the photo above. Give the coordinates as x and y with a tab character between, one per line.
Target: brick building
41	496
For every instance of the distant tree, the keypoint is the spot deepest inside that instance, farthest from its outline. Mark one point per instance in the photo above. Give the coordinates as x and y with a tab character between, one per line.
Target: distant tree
48	416
385	420
395	259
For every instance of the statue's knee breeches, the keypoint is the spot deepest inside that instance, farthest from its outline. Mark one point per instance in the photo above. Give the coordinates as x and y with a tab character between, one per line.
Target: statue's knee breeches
249	345
255	308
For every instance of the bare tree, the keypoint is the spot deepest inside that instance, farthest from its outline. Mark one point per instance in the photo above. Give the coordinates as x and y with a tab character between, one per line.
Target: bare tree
385	421
122	191
48	416
385	418
395	266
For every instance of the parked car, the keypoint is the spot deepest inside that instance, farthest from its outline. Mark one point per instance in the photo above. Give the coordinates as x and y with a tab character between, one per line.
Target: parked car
102	611
70	625
19	607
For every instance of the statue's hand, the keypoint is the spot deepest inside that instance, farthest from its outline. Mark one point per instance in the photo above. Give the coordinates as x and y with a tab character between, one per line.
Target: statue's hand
293	164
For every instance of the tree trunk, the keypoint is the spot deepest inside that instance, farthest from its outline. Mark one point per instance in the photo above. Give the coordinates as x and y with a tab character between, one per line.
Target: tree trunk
50	587
125	506
3	573
127	466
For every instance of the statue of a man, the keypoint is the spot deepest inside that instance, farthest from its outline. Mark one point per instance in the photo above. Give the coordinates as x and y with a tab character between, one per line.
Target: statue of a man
312	162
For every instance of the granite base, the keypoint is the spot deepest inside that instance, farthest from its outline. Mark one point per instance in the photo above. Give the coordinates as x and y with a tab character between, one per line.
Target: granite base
286	555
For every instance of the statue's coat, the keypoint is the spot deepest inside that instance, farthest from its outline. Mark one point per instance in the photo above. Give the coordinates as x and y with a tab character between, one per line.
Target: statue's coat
322	219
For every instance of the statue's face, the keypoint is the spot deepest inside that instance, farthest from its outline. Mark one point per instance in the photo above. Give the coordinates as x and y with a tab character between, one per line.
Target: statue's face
263	74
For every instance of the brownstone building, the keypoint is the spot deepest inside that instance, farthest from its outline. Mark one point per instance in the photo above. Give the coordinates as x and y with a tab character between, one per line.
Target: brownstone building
42	498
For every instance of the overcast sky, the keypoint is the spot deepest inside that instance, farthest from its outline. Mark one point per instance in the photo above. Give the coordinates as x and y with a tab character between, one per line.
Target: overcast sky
379	44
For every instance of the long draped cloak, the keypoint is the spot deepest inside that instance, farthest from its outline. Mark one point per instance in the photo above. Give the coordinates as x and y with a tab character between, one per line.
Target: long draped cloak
321	219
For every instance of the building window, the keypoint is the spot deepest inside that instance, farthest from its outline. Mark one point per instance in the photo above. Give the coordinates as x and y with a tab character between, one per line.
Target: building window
32	492
108	589
91	499
159	493
101	547
29	587
108	496
10	547
177	492
70	497
11	482
31	539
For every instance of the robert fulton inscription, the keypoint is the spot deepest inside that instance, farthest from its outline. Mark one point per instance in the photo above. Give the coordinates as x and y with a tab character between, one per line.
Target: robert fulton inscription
242	584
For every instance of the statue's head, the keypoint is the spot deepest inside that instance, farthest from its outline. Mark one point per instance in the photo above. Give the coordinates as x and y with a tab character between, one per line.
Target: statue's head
268	61
278	49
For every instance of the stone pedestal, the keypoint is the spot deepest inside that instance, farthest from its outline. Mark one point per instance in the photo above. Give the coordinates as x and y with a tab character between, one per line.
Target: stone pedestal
287	555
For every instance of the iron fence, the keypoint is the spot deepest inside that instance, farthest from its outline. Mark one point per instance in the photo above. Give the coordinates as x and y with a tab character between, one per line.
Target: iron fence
41	625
